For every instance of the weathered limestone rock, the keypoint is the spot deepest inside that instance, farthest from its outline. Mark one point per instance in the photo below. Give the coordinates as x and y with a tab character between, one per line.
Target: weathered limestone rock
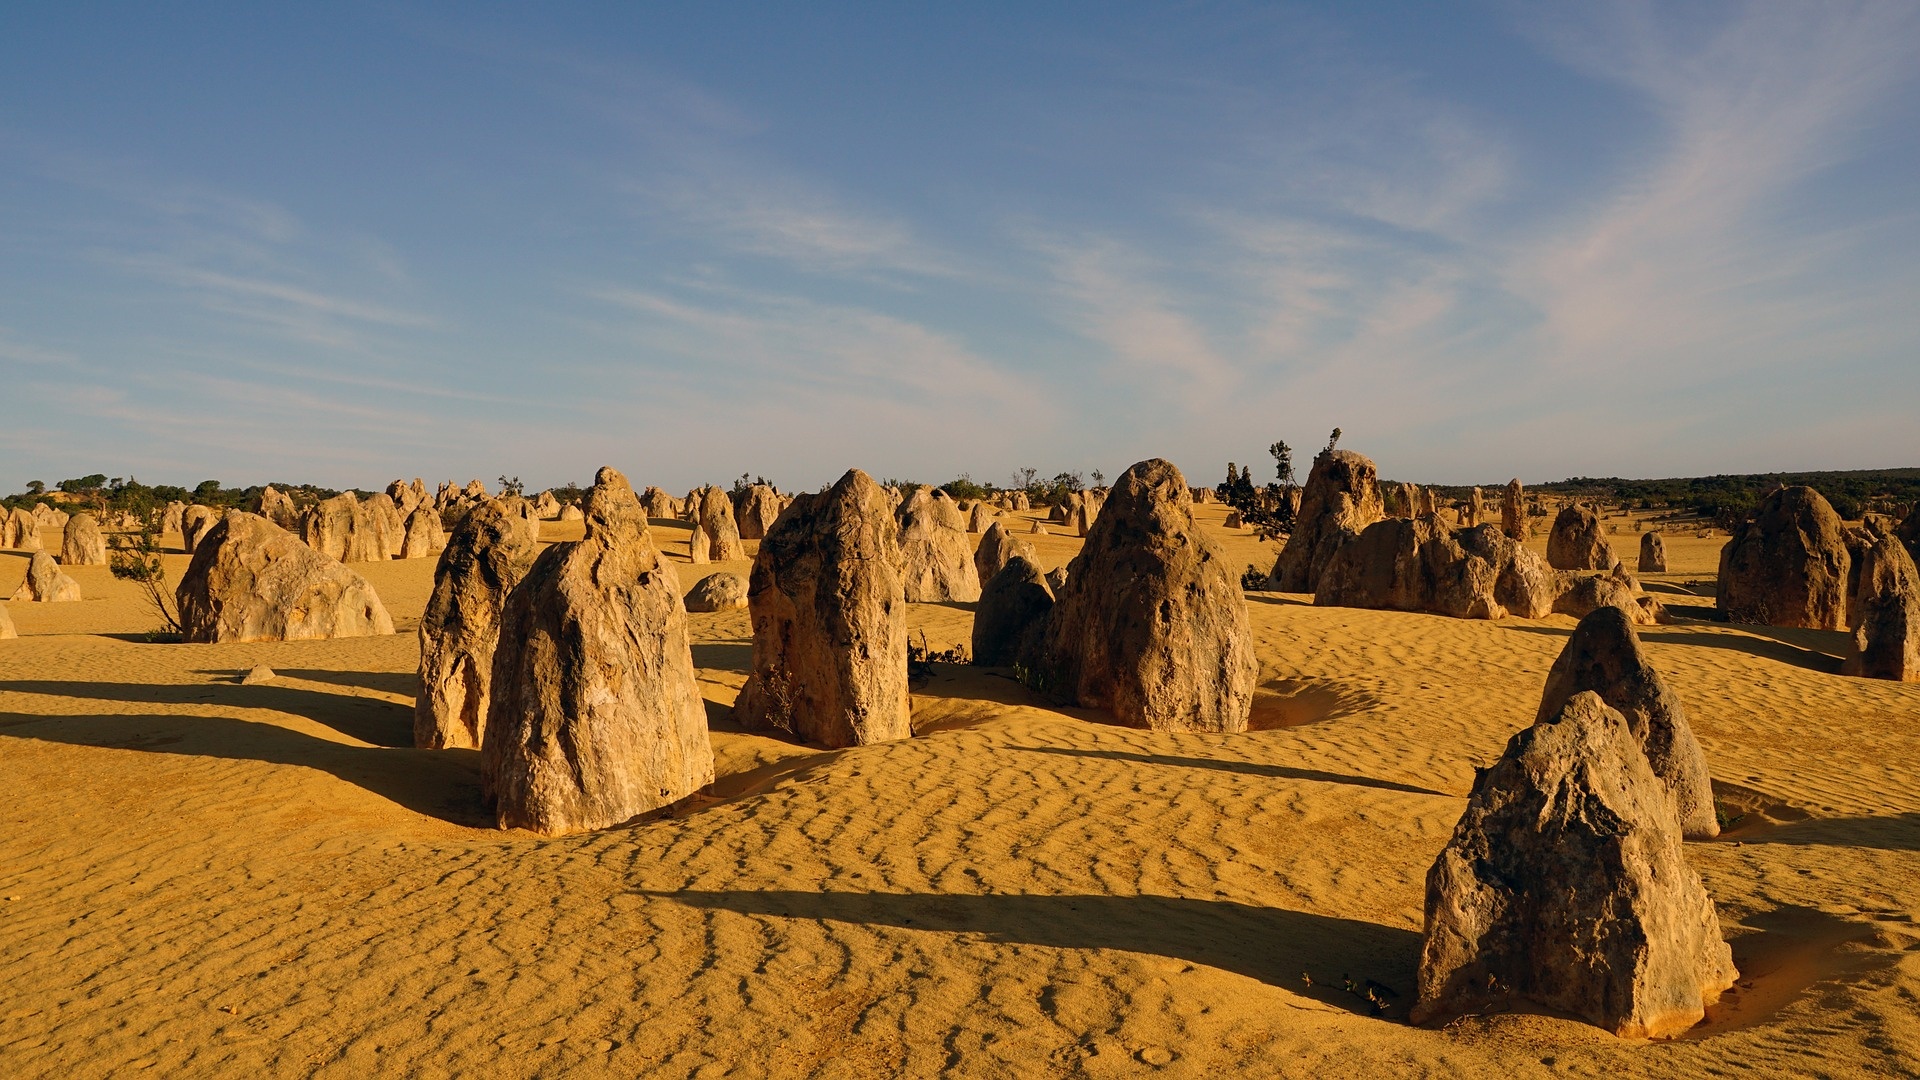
755	508
1884	612
171	519
1583	594
1011	614
1341	497
424	534
1151	624
546	506
1577	542
1909	534
722	591
489	553
23	531
1234	521
1604	655
1475	511
1057	577
1653	553
980	519
50	520
936	557
659	505
571	512
1038	529
714	523
1787	565
258	675
340	529
830	621
389	528
406	498
1418	564
7	629
1513	512
595	714
276	506
475	490
46	583
195	520
998	548
251	580
1565	884
83	544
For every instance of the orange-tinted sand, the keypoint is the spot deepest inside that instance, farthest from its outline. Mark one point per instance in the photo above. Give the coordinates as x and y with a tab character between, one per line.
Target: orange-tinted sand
199	878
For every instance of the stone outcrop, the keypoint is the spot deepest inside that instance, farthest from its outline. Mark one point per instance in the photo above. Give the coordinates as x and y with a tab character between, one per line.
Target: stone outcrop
1653	553
340	529
406	498
1513	512
754	508
276	506
7	629
194	522
1418	564
1150	624
82	543
595	714
1884	615
22	531
171	519
389	528
1787	565
1582	594
45	582
721	591
659	505
251	580
571	512
997	548
1039	528
1341	497
1013	609
830	621
1604	655
1475	510
716	536
488	555
1577	542
1565	884
546	506
424	534
1909	534
936	558
980	518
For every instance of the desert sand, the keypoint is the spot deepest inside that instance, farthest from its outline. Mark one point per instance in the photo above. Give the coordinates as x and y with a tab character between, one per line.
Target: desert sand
208	879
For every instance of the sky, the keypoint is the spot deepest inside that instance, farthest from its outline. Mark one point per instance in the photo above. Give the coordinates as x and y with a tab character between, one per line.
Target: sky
343	243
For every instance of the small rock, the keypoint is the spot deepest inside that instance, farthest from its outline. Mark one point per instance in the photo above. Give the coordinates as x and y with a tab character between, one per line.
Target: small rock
1156	1056
260	674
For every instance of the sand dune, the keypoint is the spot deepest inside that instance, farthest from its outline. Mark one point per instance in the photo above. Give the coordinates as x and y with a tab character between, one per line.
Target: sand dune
203	878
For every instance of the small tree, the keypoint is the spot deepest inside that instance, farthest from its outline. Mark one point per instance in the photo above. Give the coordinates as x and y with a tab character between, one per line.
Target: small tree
136	557
1099	478
511	485
36	487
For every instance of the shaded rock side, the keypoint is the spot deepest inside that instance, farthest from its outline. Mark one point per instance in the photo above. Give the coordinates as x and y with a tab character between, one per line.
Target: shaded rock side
1341	498
1150	624
276	506
488	554
251	580
1604	655
1787	565
595	715
829	614
717	534
1419	564
1013	609
1513	512
1565	884
424	534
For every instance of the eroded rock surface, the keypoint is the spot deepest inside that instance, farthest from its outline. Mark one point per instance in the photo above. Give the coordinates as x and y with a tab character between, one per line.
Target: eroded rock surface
251	580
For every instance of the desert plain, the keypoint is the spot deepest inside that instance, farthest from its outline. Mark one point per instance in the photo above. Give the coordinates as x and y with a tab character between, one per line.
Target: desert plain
204	878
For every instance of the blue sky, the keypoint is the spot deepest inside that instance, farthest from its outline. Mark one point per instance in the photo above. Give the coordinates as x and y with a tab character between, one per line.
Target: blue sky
343	243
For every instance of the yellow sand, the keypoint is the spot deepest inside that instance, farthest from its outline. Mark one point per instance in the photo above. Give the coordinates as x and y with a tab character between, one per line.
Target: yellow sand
199	878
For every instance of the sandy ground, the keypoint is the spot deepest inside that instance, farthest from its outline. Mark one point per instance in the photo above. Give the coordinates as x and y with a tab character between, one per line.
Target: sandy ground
207	879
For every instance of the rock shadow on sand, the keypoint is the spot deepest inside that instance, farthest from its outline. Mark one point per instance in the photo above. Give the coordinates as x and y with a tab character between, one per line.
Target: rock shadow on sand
370	720
1768	643
1273	945
444	784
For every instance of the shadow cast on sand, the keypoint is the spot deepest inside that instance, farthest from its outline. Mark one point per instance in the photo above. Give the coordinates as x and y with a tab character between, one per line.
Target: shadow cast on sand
1247	768
371	720
444	784
724	657
1895	832
1754	642
1273	945
402	683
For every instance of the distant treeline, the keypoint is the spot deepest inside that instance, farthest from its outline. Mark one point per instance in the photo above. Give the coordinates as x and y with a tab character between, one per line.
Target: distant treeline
1728	499
101	492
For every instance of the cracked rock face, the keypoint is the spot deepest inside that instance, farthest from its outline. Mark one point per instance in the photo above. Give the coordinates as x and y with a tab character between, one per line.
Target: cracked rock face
251	580
1787	565
595	715
1565	884
488	555
1340	499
